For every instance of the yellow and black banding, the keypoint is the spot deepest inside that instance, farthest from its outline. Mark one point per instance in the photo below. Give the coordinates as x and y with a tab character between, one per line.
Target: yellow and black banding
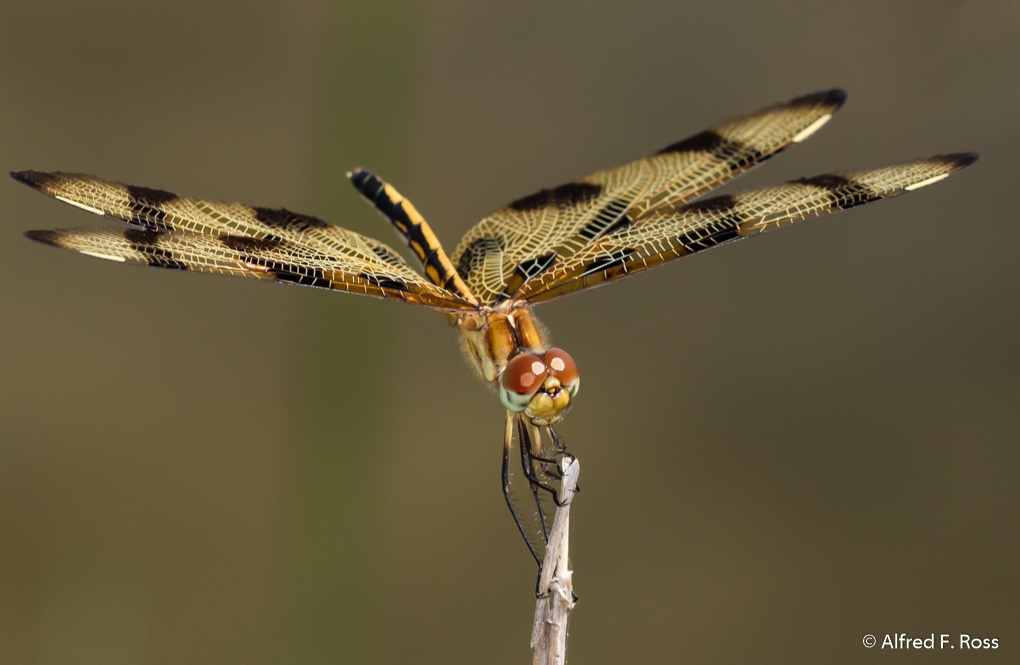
415	230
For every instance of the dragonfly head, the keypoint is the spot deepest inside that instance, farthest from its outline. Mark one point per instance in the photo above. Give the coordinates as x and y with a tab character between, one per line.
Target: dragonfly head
539	385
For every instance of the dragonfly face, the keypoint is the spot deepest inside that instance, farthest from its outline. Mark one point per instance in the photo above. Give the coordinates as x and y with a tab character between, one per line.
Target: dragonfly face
539	385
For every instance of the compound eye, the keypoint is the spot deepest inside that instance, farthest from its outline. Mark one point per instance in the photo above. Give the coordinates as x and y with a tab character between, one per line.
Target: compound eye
562	366
524	374
521	379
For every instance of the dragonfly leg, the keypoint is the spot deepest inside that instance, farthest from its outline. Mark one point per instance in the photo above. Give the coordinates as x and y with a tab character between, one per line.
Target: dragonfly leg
560	446
535	483
535	466
507	451
543	476
554	472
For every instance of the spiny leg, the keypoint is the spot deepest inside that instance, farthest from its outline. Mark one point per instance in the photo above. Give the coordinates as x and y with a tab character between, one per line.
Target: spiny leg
528	465
560	446
561	449
507	447
533	523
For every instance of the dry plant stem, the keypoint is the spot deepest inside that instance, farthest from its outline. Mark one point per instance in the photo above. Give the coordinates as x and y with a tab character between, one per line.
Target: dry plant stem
556	586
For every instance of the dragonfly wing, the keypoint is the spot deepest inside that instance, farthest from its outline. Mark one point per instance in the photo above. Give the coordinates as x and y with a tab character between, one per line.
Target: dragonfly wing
168	231
667	233
536	234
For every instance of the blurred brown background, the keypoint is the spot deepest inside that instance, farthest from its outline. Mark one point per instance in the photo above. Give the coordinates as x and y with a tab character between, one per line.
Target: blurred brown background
786	445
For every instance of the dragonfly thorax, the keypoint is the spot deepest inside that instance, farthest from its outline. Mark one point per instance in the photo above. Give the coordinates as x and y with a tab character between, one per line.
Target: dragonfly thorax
506	345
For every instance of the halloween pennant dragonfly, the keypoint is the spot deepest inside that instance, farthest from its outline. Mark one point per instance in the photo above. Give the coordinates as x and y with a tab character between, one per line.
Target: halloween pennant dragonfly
576	236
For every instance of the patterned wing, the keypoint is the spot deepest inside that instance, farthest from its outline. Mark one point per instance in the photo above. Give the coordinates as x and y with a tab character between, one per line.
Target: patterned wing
536	234
666	233
168	231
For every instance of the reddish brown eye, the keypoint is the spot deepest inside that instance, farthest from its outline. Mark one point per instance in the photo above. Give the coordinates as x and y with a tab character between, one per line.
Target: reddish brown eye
562	366
524	374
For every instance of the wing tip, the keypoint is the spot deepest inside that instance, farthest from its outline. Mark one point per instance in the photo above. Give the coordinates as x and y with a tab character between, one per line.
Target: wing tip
46	237
832	99
957	160
34	179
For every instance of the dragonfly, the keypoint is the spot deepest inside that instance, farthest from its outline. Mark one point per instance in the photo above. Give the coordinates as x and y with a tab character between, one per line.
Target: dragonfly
559	241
